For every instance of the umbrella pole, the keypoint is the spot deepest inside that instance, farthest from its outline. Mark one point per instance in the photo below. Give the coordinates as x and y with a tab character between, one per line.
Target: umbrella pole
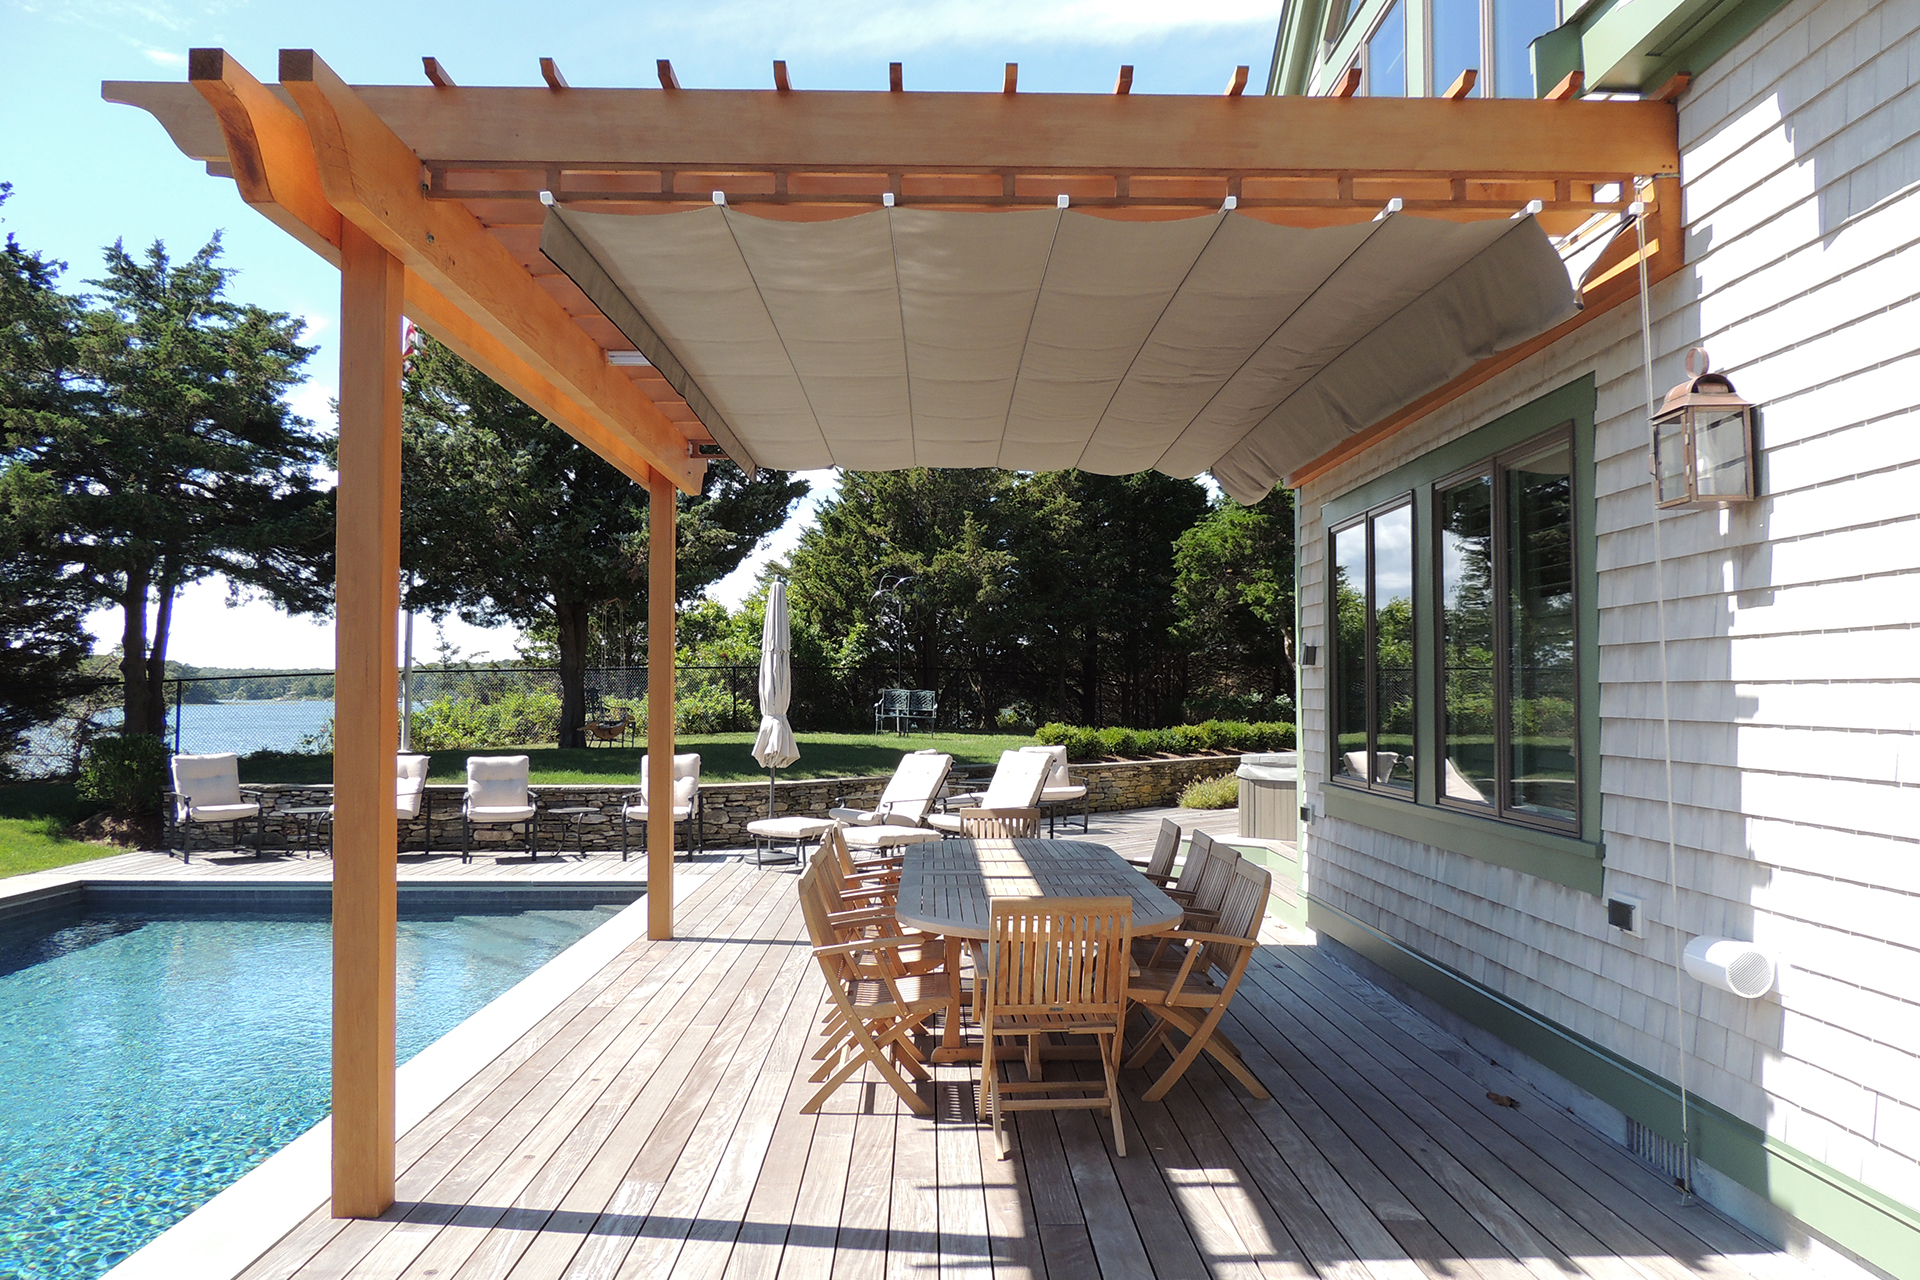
770	774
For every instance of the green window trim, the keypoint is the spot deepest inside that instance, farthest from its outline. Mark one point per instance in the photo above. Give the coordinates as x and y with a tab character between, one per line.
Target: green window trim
1635	46
1572	858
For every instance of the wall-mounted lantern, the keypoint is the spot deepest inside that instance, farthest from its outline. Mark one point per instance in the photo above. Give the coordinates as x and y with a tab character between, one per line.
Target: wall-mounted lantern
1703	442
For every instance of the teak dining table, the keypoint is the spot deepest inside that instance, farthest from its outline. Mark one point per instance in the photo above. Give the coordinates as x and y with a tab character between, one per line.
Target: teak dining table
946	887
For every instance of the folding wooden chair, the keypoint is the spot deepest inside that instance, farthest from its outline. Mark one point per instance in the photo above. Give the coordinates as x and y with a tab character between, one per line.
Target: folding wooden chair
1202	907
1188	999
1158	866
1199	849
1000	824
857	910
1053	965
876	1009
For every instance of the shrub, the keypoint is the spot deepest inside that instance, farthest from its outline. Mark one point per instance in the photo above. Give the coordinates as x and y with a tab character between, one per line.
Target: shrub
126	774
509	719
1084	744
1222	792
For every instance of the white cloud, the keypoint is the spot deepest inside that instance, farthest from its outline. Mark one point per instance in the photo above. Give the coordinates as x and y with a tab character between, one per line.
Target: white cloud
167	58
849	26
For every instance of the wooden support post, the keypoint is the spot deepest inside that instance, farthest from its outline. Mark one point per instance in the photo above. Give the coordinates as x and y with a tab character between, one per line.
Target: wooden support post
366	729
660	601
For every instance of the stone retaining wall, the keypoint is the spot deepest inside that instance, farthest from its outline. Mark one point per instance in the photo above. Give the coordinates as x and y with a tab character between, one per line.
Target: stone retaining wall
729	806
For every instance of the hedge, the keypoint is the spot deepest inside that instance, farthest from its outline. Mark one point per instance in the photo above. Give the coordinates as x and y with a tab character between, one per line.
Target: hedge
1182	740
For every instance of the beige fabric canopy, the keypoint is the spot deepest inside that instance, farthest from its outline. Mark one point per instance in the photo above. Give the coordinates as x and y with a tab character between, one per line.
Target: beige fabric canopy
1044	339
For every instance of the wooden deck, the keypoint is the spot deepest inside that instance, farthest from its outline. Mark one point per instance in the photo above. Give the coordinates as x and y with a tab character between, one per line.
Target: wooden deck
649	1127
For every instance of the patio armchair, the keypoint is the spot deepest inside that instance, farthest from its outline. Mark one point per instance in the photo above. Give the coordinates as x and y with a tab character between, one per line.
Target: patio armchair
1016	784
1199	850
686	804
1060	788
498	796
410	794
1000	824
875	1011
1053	966
206	793
1192	998
611	729
910	793
1201	910
1158	866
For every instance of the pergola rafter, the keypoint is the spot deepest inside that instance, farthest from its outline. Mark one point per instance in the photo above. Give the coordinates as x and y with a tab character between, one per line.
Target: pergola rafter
431	200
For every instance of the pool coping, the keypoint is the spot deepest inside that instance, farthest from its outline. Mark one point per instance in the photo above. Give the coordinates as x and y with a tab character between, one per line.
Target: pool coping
231	1231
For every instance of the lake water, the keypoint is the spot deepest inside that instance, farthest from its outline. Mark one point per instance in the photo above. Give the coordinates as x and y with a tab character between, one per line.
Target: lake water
241	727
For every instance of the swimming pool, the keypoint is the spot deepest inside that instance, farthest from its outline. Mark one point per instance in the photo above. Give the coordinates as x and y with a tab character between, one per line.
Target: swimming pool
150	1057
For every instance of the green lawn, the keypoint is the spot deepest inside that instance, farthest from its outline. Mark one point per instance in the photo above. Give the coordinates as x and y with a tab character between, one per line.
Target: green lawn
724	757
32	816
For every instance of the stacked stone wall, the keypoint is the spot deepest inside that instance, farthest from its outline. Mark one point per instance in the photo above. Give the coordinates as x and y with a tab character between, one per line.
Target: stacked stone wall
728	807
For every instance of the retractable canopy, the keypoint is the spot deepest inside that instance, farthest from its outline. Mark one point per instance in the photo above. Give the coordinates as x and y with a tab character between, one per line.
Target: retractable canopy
1042	339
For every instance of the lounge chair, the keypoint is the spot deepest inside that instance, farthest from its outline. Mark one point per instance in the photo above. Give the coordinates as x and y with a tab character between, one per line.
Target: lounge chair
909	795
686	802
1061	789
498	795
206	793
1016	784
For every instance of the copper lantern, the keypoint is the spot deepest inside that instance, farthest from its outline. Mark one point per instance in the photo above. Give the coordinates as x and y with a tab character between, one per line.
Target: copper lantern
1703	442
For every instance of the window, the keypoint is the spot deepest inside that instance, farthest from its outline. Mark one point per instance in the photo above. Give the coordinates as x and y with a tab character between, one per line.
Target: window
1386	62
1373	650
1516	25
1455	43
1508	662
1462	654
1494	37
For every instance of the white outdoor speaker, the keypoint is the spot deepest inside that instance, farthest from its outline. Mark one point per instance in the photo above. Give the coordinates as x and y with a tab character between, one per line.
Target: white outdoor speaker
1739	967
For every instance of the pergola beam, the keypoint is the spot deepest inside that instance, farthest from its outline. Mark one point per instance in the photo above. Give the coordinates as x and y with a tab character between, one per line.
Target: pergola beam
271	158
372	178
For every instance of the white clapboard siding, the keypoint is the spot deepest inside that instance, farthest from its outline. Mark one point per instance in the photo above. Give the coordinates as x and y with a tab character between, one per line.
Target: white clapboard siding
1793	625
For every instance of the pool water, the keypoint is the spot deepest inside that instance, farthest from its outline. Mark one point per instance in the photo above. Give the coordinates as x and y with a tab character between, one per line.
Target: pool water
149	1059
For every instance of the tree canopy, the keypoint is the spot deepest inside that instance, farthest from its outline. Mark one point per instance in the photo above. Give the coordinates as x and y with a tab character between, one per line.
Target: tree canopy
148	445
505	517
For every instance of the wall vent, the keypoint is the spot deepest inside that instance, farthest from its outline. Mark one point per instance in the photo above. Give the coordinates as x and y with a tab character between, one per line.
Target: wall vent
1662	1154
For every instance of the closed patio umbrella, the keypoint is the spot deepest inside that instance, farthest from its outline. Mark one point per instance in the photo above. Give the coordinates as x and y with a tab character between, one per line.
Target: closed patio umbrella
775	746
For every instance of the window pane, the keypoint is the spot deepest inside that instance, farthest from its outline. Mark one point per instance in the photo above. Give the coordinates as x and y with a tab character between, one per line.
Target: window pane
1350	653
1393	648
1387	56
1720	453
1517	24
1670	459
1467	642
1456	42
1540	643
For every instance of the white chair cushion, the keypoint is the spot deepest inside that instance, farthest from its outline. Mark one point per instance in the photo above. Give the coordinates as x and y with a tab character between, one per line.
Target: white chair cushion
858	817
222	812
409	784
948	822
209	779
686	777
888	837
681	812
1050	794
1058	776
499	813
497	782
1017	780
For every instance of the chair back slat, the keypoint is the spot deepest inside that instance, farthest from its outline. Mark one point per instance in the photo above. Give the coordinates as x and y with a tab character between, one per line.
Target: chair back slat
1000	824
1216	877
1199	853
1164	848
1059	956
1241	911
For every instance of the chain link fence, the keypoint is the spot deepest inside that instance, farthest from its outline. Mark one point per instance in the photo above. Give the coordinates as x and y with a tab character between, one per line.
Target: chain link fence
508	706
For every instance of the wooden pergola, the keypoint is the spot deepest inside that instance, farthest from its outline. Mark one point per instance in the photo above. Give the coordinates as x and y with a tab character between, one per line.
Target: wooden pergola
430	199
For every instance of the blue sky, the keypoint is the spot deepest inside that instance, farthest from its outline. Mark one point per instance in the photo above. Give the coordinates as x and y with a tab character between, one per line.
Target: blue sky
86	172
